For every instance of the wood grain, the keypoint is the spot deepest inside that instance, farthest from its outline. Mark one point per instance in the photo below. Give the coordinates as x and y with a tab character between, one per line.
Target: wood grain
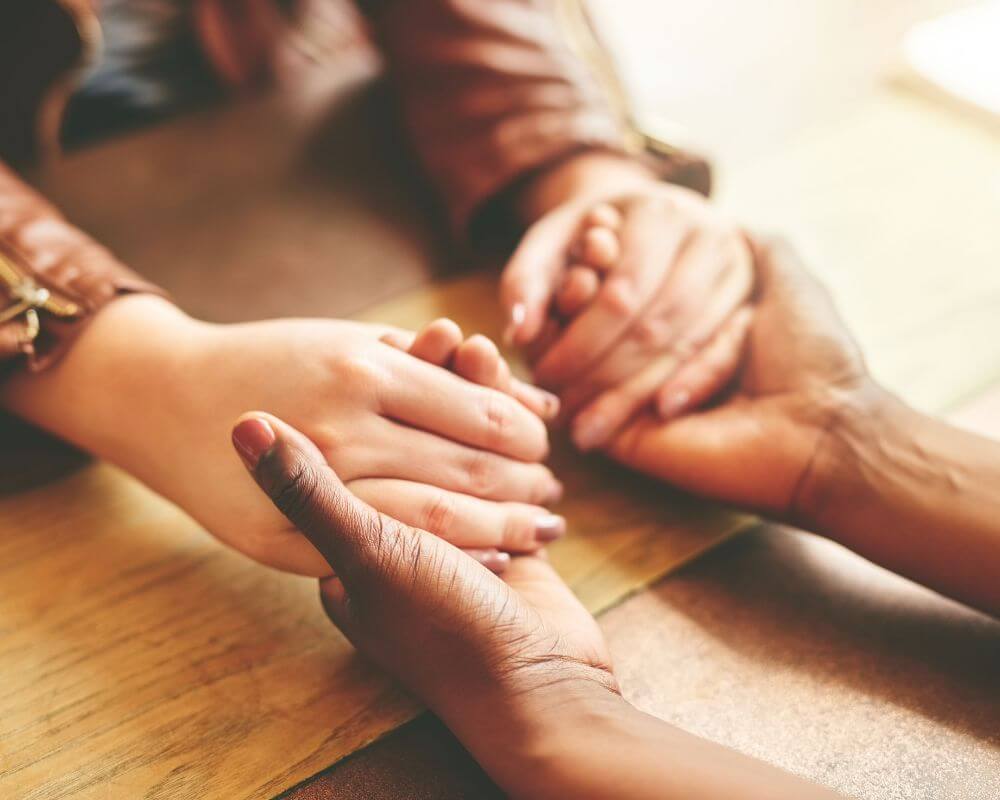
140	659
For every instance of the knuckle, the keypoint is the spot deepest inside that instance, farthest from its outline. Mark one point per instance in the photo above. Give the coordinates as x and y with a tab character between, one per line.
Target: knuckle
497	419
481	476
439	513
484	343
358	371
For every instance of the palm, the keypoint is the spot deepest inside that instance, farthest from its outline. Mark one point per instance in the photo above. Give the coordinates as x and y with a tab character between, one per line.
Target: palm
540	588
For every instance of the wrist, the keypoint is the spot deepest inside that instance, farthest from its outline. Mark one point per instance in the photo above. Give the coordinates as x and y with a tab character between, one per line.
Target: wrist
864	426
592	174
534	742
132	351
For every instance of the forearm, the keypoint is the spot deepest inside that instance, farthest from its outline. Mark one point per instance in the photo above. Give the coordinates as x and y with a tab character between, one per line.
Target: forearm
132	350
599	747
916	495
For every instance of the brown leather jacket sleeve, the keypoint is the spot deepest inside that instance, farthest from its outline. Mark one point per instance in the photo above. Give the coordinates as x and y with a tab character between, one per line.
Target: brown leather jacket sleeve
53	277
490	92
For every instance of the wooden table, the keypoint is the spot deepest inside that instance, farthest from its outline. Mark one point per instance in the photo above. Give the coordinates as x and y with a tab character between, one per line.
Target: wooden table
779	644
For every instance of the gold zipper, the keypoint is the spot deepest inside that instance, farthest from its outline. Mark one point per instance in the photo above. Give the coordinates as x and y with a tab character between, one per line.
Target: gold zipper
27	298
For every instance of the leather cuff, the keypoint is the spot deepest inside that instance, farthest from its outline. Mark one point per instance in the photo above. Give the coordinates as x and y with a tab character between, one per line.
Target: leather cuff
39	320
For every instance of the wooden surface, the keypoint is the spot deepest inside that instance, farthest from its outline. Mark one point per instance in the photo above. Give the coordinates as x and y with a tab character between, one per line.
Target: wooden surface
141	659
778	644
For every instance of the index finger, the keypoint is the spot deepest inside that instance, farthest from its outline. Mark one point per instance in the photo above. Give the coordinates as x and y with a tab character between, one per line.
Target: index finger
530	277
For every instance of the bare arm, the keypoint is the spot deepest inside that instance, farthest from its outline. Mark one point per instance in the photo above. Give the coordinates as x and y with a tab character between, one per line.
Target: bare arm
809	437
914	494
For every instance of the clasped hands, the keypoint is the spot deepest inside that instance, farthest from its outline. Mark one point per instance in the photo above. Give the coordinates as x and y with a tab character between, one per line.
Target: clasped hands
516	667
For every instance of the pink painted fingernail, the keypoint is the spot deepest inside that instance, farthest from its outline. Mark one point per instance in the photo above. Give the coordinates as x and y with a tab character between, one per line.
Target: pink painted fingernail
550	527
674	403
252	438
493	560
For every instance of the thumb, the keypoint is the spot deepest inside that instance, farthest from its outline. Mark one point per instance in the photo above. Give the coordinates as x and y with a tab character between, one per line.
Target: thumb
358	542
531	276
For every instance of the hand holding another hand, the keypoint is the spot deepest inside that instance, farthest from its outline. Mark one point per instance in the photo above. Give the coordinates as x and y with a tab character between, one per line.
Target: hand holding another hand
516	668
798	375
496	659
617	295
416	439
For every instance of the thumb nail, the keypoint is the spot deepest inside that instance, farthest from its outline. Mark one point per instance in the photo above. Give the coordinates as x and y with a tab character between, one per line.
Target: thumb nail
252	438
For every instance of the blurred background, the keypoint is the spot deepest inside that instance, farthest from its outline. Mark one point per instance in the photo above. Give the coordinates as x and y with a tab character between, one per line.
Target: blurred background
817	126
826	122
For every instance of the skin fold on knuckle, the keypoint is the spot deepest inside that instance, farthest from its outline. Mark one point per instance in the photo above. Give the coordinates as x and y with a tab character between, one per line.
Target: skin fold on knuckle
481	476
497	421
439	514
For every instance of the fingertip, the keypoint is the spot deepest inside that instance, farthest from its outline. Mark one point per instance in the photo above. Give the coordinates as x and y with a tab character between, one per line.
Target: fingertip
437	342
544	404
253	436
400	340
478	360
444	328
550	528
589	431
605	214
484	344
524	332
601	247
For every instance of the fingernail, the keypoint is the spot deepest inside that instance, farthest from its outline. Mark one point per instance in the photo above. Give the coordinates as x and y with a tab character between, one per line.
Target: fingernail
674	403
589	433
493	560
550	527
252	438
